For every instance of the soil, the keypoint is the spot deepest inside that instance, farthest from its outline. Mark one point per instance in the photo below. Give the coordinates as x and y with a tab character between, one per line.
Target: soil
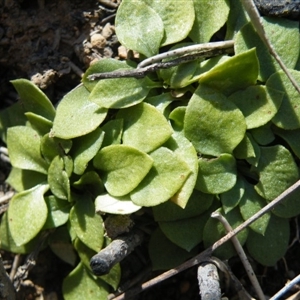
52	42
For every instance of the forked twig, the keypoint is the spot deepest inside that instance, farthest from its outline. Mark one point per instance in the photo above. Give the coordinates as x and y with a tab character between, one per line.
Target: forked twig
205	255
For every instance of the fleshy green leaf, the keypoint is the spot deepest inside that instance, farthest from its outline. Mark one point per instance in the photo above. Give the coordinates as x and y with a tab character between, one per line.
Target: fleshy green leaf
85	148
216	175
245	148
113	132
176	25
166	177
161	102
214	230
139	27
101	66
115	205
58	212
76	115
40	124
210	17
24	149
231	198
164	254
238	72
284	37
58	179
60	244
145	128
270	247
121	92
250	204
27	207
288	115
213	124
33	99
186	151
87	224
277	171
51	147
263	135
124	168
81	284
258	104
169	211
22	180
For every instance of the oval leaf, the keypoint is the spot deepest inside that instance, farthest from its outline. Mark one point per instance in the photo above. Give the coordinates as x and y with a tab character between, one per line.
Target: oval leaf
115	205
24	149
139	27
166	177
216	175
27	214
258	104
213	124
270	247
145	128
76	115
124	168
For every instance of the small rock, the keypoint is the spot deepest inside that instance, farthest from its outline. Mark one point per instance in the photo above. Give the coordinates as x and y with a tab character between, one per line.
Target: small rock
122	52
98	41
107	30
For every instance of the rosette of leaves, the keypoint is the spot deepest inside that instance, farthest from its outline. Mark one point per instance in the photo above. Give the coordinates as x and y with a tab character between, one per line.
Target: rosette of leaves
117	145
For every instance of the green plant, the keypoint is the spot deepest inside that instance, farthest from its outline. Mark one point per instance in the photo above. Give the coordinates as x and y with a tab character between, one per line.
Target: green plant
221	133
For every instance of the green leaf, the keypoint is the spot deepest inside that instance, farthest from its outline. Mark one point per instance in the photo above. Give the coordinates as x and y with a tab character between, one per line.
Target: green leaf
85	148
263	135
277	171
27	214
216	175
58	212
8	243
24	149
33	99
161	102
60	244
166	177
139	27
181	146
258	104
145	128
210	17
52	146
76	115
214	230
177	117
164	254
231	198
238	72
22	180
236	20
250	204
11	116
87	224
213	124
81	284
176	24
281	32
268	249
288	115
113	132
121	92
124	168
115	205
245	149
169	211
90	181
40	124
58	179
292	137
102	66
